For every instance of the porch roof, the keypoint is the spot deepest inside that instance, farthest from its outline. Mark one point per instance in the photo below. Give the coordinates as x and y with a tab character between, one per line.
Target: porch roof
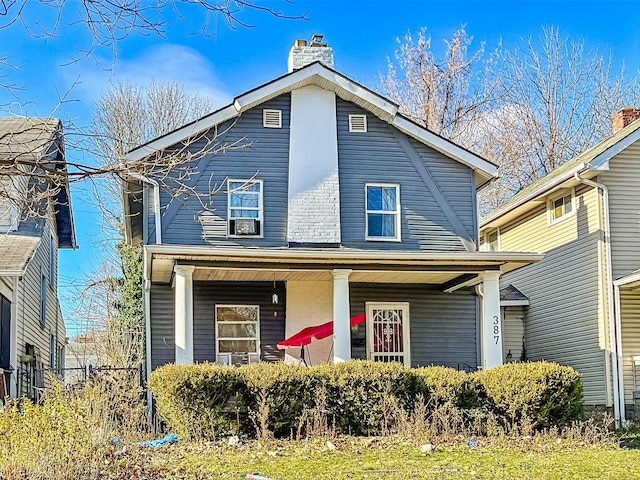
630	281
453	270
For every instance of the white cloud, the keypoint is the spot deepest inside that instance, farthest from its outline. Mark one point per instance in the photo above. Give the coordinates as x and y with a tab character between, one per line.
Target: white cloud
163	62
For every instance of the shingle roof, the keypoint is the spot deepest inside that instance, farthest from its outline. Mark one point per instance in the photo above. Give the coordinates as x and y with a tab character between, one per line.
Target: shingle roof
15	252
23	136
563	170
512	293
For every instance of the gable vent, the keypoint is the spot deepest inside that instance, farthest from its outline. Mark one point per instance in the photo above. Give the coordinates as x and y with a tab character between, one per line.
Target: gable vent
357	123
272	118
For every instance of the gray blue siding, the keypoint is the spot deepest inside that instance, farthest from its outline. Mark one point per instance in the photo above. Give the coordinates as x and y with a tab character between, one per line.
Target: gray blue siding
263	152
376	157
443	325
206	295
163	329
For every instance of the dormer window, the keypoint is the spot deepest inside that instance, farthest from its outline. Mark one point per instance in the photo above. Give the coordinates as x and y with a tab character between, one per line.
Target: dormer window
358	123
272	118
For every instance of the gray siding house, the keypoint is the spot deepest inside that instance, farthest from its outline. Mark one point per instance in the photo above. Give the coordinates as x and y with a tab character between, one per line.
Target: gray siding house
322	203
582	301
32	331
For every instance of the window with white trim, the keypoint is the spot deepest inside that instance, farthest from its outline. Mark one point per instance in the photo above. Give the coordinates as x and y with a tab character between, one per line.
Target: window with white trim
492	240
238	331
560	207
52	260
245	208
43	298
382	211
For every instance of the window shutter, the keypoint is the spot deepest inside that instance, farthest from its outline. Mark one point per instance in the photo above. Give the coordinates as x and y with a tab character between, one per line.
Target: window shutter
357	123
272	118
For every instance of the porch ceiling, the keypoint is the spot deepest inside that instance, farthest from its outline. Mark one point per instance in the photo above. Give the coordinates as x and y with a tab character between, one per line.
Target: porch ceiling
234	264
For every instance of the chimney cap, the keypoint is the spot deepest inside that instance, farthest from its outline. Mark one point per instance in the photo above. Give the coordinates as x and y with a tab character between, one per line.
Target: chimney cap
316	40
300	43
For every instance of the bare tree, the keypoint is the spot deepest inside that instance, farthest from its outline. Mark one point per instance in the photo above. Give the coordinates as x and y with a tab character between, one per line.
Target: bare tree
125	117
528	110
560	97
447	95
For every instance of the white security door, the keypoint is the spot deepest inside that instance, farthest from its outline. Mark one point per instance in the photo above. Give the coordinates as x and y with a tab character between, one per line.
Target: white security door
388	332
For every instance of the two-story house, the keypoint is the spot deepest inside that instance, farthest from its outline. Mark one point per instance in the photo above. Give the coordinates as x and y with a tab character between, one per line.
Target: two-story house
582	303
32	331
337	206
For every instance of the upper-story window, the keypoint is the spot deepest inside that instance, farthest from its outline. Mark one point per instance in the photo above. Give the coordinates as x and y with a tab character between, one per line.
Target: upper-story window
8	207
43	298
492	240
383	212
245	208
560	207
52	260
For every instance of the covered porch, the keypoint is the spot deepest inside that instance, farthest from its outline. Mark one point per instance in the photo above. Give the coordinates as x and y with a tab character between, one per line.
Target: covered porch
420	307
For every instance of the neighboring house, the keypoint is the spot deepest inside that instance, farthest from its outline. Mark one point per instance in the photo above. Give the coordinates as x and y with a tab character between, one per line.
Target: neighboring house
32	331
580	306
338	206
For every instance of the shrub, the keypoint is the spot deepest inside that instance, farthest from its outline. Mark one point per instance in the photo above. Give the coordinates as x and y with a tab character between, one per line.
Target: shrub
545	393
357	390
358	397
193	400
446	386
276	395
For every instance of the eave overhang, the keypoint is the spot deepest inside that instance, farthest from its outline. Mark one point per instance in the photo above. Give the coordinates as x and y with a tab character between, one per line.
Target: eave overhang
403	266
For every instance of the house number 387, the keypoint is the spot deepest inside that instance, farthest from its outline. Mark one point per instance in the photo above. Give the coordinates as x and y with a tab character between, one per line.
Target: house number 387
496	329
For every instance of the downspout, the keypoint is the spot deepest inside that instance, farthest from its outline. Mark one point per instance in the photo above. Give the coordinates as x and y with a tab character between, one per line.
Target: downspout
614	320
156	204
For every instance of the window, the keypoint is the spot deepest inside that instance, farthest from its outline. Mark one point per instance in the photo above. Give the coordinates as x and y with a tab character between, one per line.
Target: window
237	331
5	333
245	207
52	351
383	212
43	299
491	243
52	260
357	123
272	118
561	207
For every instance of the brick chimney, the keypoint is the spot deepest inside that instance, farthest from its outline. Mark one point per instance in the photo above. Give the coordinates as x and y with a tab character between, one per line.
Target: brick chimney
624	117
302	54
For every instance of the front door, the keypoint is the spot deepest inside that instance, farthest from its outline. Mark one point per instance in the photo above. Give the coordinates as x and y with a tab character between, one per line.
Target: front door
388	332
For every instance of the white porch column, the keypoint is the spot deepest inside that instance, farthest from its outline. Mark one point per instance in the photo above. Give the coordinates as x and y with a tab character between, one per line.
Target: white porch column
341	315
183	283
491	324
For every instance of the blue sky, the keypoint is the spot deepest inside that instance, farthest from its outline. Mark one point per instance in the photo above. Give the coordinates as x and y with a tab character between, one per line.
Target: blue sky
362	33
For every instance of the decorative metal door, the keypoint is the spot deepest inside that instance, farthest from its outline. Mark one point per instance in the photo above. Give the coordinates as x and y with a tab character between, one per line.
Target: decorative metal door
388	332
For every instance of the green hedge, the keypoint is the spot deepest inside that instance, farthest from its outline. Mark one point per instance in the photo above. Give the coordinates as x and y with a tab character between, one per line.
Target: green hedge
546	393
193	399
209	400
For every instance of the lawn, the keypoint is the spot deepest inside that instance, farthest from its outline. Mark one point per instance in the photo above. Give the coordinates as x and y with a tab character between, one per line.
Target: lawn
372	458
